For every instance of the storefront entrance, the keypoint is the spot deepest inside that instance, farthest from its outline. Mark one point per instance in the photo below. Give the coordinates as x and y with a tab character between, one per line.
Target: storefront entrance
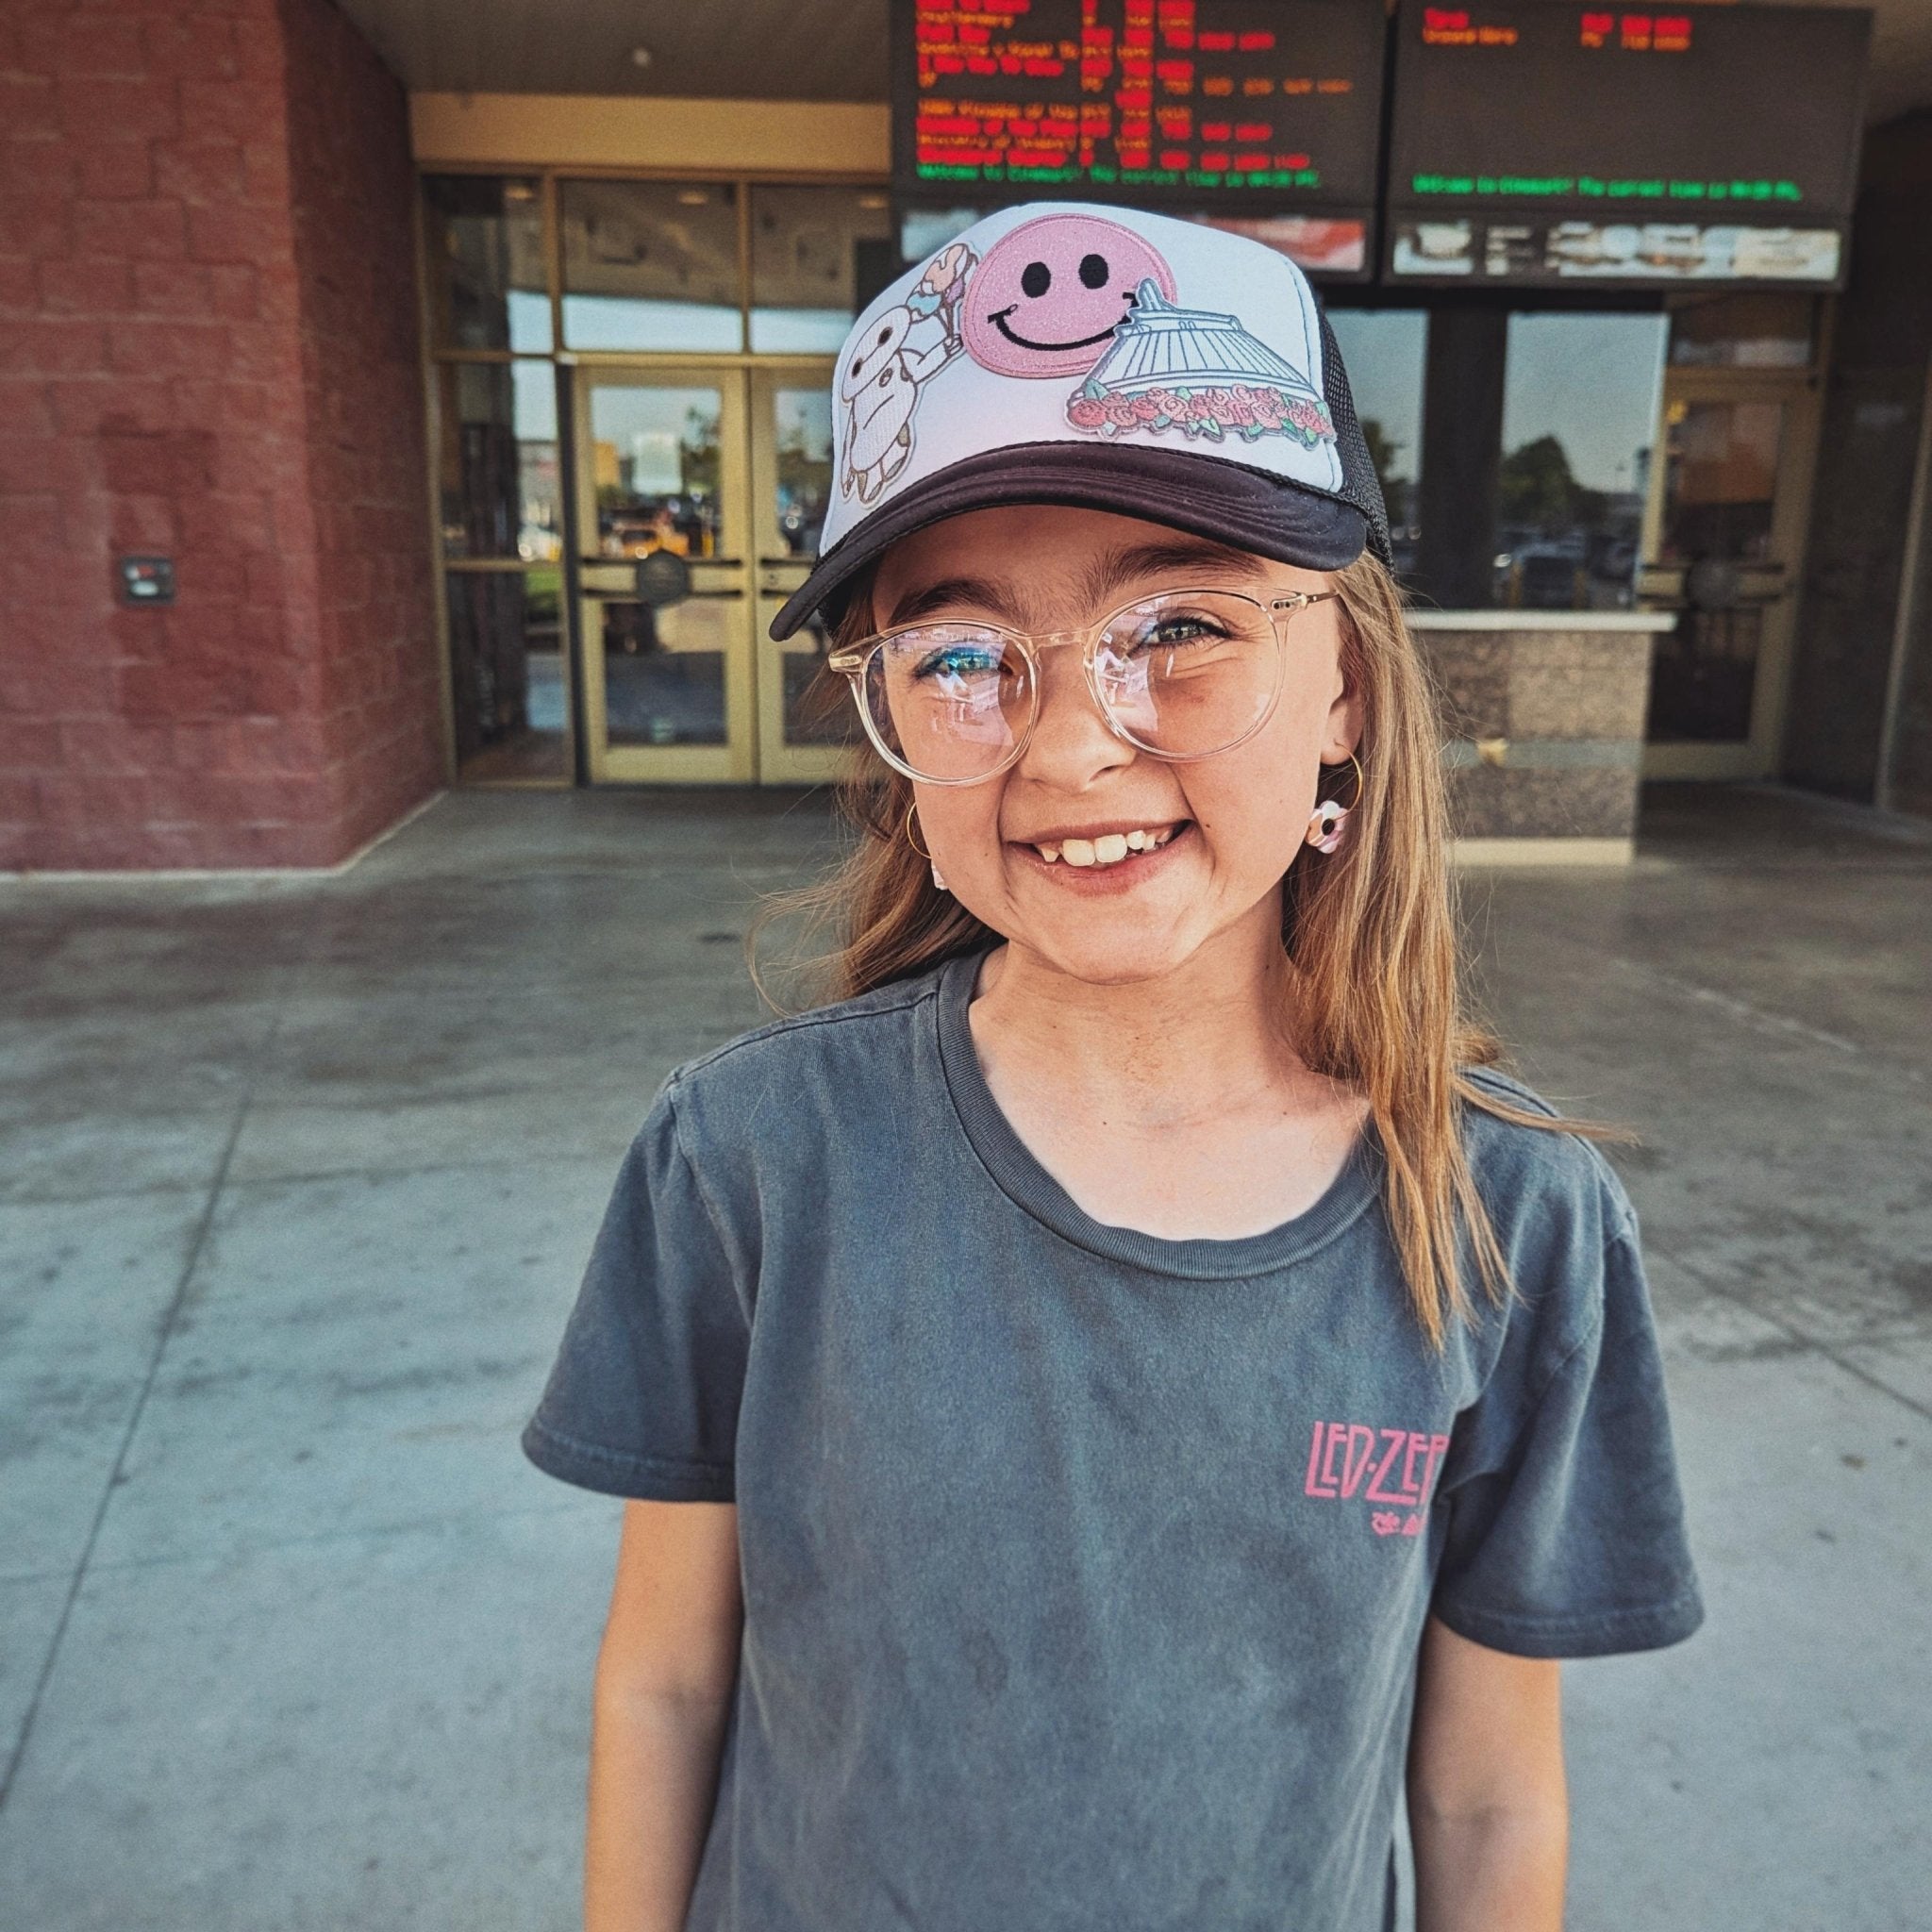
1723	548
630	420
700	491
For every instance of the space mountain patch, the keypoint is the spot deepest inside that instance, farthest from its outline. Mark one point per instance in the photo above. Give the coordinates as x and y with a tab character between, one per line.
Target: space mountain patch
1197	373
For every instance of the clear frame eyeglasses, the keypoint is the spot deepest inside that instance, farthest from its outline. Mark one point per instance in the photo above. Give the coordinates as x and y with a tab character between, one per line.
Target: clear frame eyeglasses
1183	675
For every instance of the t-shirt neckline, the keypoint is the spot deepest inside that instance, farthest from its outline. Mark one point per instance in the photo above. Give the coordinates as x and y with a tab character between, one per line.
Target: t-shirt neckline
1016	1172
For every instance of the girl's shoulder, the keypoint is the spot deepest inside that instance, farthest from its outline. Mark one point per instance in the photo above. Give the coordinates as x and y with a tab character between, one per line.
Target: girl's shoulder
1529	1169
853	1055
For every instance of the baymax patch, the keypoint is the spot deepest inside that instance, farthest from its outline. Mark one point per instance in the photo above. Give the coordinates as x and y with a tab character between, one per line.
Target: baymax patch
883	375
1048	297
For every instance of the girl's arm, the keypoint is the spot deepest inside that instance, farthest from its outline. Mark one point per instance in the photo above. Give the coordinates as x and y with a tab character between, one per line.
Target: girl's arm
1487	1810
664	1681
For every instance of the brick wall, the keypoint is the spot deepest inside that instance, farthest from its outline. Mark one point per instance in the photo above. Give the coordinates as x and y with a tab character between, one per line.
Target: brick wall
208	350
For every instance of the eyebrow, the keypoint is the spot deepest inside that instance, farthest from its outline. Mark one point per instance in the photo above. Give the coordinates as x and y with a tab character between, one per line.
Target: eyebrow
1114	570
1109	573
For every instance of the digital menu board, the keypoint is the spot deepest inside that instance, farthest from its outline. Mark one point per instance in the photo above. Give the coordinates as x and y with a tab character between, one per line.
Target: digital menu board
1544	142
1261	110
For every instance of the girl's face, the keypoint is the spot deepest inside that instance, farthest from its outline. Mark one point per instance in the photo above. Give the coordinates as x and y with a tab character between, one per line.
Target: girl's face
1234	822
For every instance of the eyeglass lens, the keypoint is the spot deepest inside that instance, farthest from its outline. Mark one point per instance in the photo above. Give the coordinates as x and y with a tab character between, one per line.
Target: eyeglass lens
1182	674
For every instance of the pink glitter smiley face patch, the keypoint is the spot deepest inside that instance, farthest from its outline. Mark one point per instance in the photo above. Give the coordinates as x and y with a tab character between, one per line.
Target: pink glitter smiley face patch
1048	297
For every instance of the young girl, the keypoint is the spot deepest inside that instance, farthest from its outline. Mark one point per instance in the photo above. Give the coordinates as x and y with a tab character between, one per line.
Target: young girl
1126	1396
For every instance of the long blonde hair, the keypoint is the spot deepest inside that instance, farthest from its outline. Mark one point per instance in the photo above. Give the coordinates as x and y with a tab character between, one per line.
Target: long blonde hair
1373	981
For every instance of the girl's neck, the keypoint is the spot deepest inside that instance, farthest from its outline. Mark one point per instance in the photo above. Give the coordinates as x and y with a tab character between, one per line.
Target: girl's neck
1198	1040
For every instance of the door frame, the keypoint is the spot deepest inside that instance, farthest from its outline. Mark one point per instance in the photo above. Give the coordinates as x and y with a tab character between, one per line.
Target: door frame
593	580
754	572
1796	391
780	763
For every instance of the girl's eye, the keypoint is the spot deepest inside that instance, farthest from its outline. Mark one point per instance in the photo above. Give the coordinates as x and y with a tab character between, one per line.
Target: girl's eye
1176	631
961	661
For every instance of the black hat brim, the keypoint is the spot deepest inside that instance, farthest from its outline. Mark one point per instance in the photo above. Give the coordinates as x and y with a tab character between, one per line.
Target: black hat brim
1205	495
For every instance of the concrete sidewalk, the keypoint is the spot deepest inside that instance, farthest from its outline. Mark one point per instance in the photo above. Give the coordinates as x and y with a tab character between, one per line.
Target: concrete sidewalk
296	1180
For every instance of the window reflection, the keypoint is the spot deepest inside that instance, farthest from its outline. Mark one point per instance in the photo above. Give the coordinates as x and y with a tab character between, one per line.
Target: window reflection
1579	415
507	673
1384	351
1753	330
655	457
818	255
484	244
924	231
497	467
664	673
1720	482
650	265
802	432
1719	500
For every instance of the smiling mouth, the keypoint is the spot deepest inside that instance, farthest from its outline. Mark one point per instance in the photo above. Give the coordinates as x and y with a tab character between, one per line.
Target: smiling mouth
1105	852
998	318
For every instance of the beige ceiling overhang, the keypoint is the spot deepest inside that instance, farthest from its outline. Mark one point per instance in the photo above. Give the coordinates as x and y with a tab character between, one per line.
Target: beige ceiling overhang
789	50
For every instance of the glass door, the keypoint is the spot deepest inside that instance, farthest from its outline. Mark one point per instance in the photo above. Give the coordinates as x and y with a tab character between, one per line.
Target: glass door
665	577
805	717
1724	549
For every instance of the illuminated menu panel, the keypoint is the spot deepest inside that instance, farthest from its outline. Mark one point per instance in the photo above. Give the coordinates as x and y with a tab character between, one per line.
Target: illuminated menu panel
1538	140
1200	102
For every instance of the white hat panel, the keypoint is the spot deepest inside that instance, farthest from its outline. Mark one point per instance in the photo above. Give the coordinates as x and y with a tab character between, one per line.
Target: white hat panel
1071	323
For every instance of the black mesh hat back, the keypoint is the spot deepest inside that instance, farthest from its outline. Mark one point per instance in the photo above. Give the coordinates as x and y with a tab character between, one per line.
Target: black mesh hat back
1360	486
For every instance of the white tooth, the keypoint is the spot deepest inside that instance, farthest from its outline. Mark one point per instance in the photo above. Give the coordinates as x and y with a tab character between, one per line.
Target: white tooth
1157	840
1049	852
1078	851
1137	841
1111	848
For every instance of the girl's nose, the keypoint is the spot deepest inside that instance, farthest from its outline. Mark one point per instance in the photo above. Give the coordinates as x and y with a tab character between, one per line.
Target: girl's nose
1072	744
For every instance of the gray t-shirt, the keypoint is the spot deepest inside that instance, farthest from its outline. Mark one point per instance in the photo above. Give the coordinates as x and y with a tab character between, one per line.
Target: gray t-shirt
1085	1571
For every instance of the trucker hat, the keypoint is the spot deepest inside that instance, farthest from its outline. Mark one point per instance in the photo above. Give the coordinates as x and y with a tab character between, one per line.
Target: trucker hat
1106	358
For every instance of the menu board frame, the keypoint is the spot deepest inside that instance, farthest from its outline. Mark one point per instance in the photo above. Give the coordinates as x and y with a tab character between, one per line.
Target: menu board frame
1605	233
1278	214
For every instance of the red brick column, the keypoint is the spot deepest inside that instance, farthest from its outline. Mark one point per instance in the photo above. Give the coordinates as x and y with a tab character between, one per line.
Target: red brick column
208	350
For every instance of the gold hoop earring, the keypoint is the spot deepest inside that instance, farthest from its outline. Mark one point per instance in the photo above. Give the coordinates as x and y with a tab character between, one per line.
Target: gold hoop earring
910	808
1359	782
938	877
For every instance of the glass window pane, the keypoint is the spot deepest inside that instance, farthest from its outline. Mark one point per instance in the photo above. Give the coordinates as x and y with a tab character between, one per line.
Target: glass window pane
1762	330
924	231
1719	482
1579	418
651	265
801	427
1720	462
664	669
818	255
483	236
655	459
507	673
497	460
1703	676
1385	352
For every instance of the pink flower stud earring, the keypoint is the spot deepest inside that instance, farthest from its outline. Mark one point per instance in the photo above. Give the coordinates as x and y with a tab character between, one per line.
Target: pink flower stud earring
1326	825
1328	822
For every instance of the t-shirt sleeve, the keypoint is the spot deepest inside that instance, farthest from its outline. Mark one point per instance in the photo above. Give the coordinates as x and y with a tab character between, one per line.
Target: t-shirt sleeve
1566	1523
643	1397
